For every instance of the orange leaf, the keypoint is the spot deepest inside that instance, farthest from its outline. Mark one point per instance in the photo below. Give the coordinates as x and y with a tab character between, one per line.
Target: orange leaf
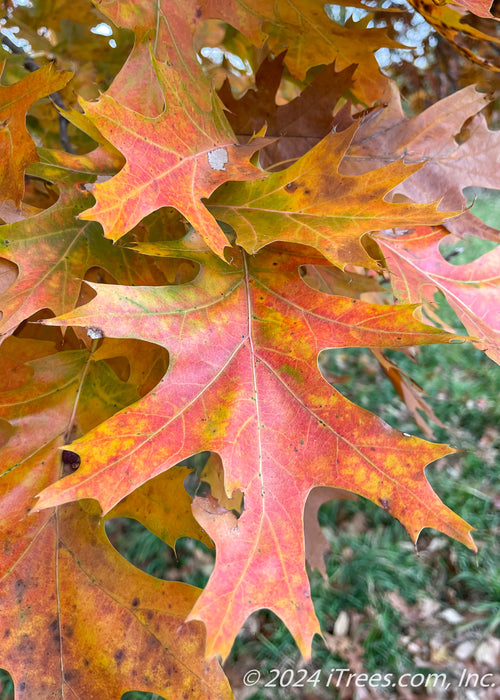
17	149
66	595
174	159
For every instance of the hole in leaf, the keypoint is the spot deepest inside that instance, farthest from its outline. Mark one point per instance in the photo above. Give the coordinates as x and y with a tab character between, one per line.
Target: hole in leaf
39	193
485	204
192	562
6	685
463	250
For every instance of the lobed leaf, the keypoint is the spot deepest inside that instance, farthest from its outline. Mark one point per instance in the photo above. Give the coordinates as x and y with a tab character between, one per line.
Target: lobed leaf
65	593
17	149
312	203
418	269
243	382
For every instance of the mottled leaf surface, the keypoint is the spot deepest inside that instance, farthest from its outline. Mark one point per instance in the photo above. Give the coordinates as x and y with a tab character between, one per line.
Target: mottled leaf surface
312	202
174	159
65	593
243	382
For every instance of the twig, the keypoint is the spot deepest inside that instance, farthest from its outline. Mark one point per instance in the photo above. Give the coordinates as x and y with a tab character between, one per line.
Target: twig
31	65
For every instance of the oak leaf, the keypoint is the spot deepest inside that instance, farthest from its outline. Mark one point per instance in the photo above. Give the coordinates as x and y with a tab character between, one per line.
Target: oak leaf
447	20
174	24
298	125
312	202
174	159
17	149
409	392
65	593
481	8
53	251
431	138
243	382
418	270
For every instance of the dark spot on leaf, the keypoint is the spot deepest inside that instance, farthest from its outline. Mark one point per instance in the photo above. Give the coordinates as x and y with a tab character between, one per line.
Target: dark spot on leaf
53	625
25	645
198	13
136	601
291	187
6	633
20	586
384	503
119	656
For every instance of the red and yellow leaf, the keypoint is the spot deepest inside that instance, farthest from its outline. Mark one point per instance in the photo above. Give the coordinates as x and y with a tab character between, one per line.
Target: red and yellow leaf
243	382
65	593
174	159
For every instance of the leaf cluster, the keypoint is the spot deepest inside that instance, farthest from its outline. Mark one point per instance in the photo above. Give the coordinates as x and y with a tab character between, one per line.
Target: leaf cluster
244	192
